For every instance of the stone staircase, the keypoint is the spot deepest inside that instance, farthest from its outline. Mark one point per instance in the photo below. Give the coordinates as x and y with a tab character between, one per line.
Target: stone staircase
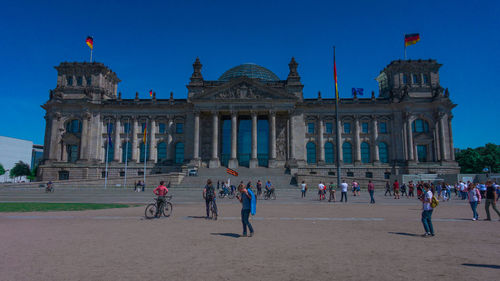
277	176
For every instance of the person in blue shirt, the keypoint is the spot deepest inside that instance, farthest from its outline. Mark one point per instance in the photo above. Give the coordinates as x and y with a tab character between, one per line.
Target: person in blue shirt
245	200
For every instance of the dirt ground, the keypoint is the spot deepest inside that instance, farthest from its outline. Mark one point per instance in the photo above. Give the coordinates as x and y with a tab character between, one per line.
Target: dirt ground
295	241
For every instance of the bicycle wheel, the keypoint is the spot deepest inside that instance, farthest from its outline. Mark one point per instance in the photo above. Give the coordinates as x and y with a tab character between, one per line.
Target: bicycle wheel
150	211
167	210
213	213
231	195
266	195
273	196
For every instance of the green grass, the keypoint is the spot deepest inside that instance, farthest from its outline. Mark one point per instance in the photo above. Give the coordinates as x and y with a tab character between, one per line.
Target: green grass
45	207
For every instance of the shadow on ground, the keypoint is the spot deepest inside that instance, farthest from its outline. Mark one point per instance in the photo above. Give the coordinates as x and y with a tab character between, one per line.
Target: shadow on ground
406	234
233	235
482	265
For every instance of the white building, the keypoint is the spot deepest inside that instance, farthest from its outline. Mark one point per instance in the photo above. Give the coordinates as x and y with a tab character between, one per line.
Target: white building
12	151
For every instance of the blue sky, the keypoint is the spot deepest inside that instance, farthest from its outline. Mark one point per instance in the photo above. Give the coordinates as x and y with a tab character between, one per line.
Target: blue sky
153	45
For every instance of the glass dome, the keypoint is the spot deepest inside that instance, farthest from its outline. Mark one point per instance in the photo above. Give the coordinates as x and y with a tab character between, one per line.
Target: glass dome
249	70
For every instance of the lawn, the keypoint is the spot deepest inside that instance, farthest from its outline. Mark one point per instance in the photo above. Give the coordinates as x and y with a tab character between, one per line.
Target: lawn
45	207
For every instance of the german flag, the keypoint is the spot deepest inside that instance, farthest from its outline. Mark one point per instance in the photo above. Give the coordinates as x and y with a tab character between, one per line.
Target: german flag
232	172
411	39
90	42
151	93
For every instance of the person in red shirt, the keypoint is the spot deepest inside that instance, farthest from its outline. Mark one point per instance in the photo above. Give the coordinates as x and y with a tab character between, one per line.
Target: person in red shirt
161	191
395	186
371	190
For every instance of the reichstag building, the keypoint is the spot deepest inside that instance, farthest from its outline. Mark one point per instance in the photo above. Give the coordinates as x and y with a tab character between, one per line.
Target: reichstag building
248	117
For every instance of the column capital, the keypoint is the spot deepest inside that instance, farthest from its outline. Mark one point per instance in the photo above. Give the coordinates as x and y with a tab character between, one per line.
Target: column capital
253	113
272	113
234	113
196	112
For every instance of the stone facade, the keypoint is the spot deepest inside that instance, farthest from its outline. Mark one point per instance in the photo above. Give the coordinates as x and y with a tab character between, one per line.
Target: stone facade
406	129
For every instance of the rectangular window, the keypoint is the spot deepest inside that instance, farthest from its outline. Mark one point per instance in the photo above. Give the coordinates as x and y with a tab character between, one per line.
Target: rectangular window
369	175
63	175
364	128
405	79
140	173
89	80
422	153
179	128
122	173
347	128
126	128
387	175
383	127
72	153
103	174
350	174
310	128
426	79
69	80
329	128
414	79
79	80
162	128
110	128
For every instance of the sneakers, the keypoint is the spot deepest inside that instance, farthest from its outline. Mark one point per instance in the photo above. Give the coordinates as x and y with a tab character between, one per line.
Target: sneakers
251	234
474	219
427	234
244	235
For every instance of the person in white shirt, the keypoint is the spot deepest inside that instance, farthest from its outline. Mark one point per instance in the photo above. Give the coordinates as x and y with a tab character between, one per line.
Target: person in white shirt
303	189
344	187
427	211
321	190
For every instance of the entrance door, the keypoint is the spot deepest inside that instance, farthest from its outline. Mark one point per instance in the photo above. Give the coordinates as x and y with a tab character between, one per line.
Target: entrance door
244	141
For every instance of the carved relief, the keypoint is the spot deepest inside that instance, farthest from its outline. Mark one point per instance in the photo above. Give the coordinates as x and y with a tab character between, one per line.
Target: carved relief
241	92
281	136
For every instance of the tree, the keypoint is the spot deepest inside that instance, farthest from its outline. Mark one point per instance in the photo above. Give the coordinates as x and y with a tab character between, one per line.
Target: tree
2	170
20	169
473	161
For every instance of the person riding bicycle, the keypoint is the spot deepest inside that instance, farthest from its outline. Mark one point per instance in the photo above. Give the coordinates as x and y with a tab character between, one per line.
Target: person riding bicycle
225	189
209	196
49	187
269	187
161	191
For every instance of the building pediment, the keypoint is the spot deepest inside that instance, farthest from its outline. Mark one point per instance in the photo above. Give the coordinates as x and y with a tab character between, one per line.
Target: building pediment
244	89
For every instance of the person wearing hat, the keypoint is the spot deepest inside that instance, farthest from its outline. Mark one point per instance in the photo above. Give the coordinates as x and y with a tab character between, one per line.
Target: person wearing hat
49	187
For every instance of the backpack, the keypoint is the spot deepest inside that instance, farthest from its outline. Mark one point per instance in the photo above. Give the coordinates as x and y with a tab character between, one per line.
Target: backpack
434	202
253	202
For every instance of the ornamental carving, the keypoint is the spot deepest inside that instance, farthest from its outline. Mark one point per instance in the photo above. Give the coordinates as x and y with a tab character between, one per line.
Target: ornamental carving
241	92
281	138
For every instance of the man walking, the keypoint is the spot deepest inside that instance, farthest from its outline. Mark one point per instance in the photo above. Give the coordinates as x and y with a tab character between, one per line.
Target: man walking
491	199
245	200
371	190
343	194
427	211
396	189
387	189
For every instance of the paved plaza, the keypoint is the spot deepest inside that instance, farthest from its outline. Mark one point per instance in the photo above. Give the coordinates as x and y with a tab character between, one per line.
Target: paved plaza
295	239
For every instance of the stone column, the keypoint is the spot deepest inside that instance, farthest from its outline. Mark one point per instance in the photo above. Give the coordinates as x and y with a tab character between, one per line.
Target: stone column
84	136
442	138
357	144
254	162
196	140
321	141
338	145
152	141
117	143
214	161
54	138
135	131
452	149
376	156
409	136
233	161
292	140
272	140
170	154
437	153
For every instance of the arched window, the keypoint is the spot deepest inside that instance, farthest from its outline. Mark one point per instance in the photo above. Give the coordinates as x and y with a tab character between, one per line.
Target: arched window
311	153
383	152
179	153
141	156
74	126
365	152
161	151
329	157
347	152
126	151
110	152
420	126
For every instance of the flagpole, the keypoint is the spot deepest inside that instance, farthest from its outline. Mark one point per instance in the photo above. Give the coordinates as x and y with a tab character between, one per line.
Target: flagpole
91	54
126	155
106	155
337	129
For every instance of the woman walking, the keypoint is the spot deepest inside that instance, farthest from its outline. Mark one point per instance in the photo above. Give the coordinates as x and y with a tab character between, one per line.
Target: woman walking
427	211
474	199
245	200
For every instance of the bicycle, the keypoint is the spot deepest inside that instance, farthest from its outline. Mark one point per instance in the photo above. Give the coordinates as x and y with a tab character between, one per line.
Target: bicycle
213	210
271	194
165	208
226	192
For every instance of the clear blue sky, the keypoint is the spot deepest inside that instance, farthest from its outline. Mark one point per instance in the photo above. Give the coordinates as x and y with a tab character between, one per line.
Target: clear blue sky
152	44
